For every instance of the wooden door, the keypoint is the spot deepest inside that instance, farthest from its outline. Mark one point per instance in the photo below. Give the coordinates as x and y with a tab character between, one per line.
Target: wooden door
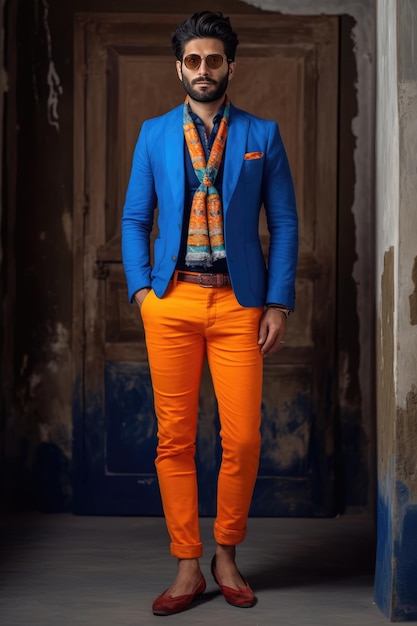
125	73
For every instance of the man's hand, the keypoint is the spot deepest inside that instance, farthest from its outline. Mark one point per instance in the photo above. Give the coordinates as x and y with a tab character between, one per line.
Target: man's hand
272	331
141	295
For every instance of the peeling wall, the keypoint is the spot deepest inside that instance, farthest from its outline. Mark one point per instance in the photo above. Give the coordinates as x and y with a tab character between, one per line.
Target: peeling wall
39	413
386	434
55	89
387	197
405	588
407	111
396	184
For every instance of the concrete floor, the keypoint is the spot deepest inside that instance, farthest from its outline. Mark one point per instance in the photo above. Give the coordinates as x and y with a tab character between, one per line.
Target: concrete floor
66	570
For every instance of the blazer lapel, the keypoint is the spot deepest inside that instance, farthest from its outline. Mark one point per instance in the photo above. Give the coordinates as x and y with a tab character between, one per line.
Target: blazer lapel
174	154
234	155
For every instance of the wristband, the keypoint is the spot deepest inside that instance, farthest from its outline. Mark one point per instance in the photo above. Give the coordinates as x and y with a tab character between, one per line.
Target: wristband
280	308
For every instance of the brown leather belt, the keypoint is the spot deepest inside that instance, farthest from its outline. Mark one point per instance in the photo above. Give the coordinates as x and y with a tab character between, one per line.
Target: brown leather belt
205	280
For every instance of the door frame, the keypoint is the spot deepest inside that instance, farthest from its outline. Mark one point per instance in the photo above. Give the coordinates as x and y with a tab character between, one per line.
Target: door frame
81	271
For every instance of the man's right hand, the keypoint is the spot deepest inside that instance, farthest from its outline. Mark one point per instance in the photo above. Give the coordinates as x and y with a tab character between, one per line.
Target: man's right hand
141	295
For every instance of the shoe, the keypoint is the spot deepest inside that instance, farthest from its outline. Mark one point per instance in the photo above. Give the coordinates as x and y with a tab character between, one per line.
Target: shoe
242	597
167	605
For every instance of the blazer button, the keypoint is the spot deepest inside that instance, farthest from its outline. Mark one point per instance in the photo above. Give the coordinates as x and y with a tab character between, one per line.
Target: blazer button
173	258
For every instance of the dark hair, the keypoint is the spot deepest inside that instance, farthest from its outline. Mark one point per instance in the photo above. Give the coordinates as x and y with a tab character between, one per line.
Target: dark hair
205	24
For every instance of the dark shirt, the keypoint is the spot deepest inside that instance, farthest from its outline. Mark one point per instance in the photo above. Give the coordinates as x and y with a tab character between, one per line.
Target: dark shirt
191	185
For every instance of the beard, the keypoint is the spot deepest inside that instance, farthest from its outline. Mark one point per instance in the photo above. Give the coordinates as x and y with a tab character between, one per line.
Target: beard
207	95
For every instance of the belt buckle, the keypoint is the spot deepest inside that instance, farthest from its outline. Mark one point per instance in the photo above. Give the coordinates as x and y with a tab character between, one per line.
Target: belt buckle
200	279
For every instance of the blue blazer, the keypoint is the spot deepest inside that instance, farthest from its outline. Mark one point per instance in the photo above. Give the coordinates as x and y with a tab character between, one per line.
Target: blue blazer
256	173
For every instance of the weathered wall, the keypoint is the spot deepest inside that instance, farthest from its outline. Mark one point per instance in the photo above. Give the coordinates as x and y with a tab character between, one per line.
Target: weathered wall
405	547
395	588
39	418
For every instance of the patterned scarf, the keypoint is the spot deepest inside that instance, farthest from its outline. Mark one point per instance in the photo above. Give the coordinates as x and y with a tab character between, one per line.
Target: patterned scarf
205	242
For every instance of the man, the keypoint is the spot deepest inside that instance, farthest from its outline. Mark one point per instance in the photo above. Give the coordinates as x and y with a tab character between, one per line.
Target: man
209	167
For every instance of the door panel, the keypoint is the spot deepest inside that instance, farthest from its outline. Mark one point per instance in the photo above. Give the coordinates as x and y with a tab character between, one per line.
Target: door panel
124	74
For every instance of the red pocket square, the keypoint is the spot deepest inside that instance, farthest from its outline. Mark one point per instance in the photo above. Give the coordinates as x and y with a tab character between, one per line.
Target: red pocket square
253	155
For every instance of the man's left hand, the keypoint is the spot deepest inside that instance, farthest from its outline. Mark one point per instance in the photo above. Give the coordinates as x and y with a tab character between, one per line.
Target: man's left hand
272	331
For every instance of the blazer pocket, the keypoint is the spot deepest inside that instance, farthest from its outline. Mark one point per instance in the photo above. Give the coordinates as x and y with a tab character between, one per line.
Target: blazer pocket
249	156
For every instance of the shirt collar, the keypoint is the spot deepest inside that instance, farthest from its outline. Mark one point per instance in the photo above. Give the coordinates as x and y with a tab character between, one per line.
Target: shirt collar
216	118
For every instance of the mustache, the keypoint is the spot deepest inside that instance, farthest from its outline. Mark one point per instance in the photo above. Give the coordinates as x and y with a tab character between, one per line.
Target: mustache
196	81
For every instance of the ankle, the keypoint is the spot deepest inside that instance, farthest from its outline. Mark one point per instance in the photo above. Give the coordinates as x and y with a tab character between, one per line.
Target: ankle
188	565
226	553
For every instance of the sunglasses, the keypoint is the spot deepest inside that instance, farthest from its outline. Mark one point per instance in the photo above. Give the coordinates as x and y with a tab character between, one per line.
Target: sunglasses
213	61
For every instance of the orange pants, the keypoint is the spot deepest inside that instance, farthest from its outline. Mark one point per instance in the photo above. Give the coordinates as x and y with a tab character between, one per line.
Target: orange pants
181	328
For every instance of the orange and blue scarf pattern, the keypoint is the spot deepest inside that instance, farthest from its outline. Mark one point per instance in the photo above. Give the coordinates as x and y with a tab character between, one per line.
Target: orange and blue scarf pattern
205	242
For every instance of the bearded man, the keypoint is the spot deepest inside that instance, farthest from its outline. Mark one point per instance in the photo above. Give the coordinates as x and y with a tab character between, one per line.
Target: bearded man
209	167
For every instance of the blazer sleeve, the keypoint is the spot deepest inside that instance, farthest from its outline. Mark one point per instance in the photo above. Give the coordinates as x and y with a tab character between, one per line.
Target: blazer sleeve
137	218
281	213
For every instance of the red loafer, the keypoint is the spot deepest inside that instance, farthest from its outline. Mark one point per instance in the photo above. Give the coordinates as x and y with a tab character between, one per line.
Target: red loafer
167	605
242	597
